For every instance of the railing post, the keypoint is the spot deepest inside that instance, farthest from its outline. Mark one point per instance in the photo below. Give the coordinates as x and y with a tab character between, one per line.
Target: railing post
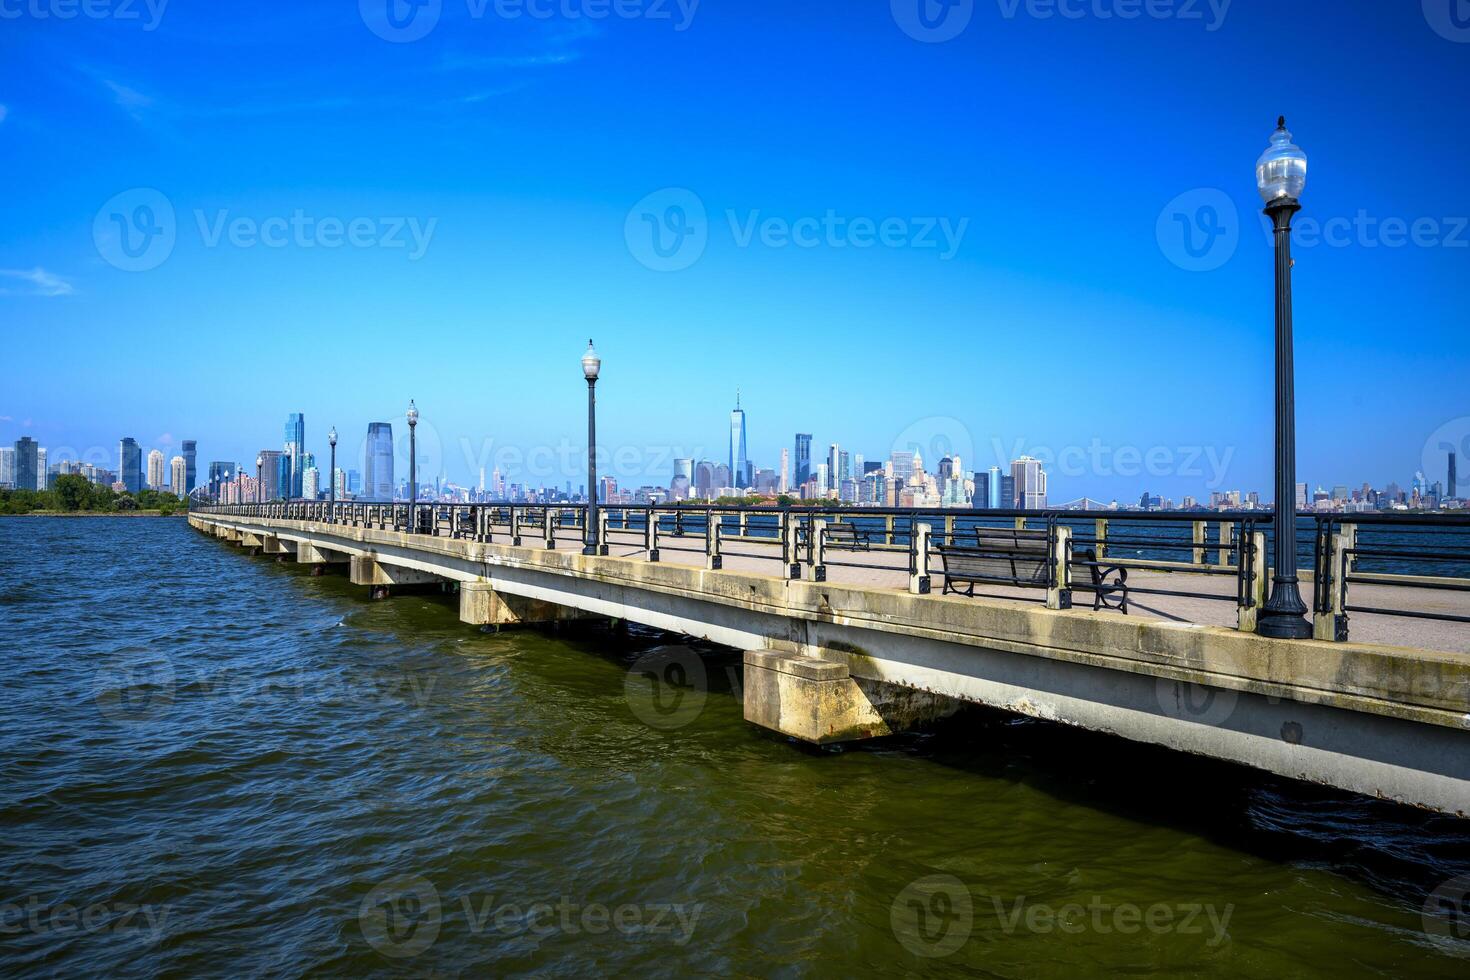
1251	595
1226	536
650	534
919	559
790	556
602	522
1100	532
744	525
1330	622
888	530
548	526
1197	555
1020	524
712	559
515	527
1059	579
818	535
949	529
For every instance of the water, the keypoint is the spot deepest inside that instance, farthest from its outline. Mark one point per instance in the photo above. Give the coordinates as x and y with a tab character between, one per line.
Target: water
216	764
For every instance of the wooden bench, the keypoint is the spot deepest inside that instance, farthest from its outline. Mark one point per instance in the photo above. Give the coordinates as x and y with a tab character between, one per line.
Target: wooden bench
1019	558
841	536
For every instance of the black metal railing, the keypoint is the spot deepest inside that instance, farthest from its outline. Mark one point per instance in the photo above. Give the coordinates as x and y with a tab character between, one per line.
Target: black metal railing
1430	552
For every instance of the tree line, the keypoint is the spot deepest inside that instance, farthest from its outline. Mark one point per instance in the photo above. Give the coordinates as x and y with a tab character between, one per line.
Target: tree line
75	494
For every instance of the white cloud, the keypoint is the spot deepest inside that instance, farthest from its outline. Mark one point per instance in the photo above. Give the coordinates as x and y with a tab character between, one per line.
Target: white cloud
41	283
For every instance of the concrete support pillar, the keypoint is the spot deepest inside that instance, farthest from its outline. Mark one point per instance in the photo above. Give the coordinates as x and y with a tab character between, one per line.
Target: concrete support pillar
310	554
1253	552
481	605
272	545
919	564
713	561
248	540
1059	593
819	550
1331	623
368	570
819	701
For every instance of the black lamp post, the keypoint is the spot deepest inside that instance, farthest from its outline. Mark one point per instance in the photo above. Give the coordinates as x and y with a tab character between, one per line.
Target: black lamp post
591	366
332	469
413	462
259	479
1281	173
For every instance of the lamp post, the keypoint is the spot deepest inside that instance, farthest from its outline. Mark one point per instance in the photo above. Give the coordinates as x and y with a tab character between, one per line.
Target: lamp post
332	469
259	480
591	367
413	462
1281	173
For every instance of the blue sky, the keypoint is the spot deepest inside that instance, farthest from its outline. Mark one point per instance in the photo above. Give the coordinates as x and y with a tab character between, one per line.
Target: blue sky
342	221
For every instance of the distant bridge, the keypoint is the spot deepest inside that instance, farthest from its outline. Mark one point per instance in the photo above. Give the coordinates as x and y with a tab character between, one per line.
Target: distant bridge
849	632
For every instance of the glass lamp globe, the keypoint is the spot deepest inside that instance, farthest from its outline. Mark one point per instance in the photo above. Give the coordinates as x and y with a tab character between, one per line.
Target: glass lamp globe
413	413
259	461
332	436
591	363
1281	172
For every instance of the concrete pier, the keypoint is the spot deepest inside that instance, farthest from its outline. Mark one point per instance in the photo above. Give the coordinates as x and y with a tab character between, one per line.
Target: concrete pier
1383	720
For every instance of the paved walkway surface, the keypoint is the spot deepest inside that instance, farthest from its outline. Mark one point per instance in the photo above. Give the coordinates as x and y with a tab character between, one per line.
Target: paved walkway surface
889	569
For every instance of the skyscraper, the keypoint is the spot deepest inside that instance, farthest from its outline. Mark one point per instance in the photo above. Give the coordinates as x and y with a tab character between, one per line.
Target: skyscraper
294	447
803	457
7	467
834	470
157	475
1008	491
275	478
178	476
130	464
377	462
1030	483
739	462
981	500
783	479
27	458
997	499
191	464
43	476
1450	485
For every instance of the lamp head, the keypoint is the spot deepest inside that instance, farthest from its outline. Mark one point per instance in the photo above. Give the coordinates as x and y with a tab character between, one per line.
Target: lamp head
332	436
413	414
591	363
1281	171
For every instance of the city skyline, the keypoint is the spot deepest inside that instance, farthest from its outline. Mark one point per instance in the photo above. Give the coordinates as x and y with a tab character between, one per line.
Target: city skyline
526	256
